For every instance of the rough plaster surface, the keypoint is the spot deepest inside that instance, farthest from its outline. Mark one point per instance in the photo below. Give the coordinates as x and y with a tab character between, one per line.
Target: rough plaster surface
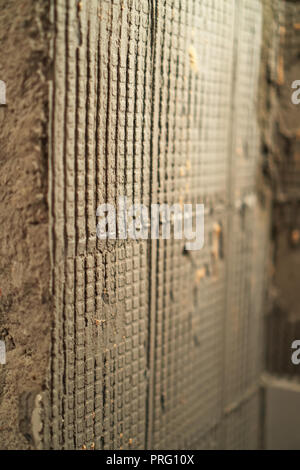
25	309
153	346
282	170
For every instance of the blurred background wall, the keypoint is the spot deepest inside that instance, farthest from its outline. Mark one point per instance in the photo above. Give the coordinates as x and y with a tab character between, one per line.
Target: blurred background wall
281	170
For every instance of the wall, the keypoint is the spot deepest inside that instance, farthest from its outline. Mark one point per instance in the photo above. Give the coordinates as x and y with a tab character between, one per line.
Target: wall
154	346
25	303
282	169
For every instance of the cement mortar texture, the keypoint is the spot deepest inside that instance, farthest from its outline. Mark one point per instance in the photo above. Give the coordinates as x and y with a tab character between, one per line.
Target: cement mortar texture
151	346
25	307
154	347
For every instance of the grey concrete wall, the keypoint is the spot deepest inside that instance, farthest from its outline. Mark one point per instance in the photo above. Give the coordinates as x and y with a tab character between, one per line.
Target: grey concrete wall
153	346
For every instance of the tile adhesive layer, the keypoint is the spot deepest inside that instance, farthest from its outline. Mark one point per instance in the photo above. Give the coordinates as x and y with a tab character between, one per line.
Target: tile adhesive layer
154	346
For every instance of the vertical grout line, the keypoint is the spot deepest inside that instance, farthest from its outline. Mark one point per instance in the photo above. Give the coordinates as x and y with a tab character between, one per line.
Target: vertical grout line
97	259
160	187
51	206
230	198
69	213
155	41
60	97
175	151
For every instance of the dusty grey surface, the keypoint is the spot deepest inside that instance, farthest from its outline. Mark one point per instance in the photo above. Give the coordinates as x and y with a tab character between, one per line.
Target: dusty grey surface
25	310
282	421
153	346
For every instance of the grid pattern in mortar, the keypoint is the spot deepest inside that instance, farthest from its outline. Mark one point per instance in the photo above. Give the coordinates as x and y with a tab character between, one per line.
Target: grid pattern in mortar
149	101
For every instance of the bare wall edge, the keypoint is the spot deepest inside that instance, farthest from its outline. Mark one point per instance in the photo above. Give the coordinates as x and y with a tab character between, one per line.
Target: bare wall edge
25	306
